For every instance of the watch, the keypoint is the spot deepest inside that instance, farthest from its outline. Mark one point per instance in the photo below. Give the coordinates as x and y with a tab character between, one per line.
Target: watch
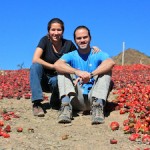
92	75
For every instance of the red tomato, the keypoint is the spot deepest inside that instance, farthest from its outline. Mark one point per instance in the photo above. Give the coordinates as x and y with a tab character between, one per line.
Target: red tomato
6	135
113	141
1	123
19	129
114	125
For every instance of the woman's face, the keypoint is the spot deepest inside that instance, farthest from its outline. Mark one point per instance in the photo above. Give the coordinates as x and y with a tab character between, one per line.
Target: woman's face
55	32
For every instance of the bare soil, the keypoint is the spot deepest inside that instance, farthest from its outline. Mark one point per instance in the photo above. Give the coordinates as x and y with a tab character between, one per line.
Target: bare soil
44	133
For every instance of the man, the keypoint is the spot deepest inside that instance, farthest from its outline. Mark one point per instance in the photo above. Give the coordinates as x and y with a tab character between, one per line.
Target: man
86	77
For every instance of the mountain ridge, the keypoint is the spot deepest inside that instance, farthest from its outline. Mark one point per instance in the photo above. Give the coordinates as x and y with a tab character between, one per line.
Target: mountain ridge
132	56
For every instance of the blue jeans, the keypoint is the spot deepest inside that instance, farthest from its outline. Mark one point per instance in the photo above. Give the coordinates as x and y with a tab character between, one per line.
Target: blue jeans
39	82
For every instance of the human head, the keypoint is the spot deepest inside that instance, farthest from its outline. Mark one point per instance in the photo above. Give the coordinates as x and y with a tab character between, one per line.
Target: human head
55	20
80	27
55	30
82	38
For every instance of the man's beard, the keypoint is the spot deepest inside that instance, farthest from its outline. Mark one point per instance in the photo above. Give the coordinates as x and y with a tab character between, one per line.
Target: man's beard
83	47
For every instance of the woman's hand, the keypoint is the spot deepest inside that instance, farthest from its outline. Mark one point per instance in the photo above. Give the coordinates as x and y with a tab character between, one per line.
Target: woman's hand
95	49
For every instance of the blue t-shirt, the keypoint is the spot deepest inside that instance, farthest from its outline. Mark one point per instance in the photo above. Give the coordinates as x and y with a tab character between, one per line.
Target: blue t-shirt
85	62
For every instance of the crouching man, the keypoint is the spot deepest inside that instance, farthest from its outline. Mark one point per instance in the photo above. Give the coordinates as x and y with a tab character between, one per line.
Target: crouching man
84	79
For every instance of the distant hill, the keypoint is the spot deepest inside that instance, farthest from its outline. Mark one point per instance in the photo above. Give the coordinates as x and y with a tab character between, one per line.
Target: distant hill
132	56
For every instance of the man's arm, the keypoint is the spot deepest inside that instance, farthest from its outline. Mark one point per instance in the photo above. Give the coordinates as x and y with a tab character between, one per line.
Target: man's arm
62	67
104	67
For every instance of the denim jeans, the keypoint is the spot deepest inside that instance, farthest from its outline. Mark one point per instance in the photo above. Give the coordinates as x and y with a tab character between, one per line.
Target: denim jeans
39	82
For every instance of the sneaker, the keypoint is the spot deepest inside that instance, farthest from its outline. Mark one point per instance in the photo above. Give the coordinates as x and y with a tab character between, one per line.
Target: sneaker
65	115
97	113
38	110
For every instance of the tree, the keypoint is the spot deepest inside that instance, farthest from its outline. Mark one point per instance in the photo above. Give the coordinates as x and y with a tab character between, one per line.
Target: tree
20	65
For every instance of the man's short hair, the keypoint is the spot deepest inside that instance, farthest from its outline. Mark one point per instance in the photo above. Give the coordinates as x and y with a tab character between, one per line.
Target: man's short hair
81	27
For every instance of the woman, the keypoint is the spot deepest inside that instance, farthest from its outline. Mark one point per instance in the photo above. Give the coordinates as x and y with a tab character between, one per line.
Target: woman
43	76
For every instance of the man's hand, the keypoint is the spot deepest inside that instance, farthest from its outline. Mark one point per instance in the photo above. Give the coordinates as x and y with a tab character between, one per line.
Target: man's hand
78	80
85	76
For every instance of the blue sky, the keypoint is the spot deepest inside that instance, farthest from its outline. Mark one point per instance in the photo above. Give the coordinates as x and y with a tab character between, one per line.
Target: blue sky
111	22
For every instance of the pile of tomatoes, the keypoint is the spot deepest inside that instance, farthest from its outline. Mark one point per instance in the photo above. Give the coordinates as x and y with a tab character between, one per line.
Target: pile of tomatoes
132	90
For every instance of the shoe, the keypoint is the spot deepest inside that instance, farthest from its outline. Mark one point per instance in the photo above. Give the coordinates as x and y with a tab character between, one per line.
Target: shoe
65	115
38	110
97	113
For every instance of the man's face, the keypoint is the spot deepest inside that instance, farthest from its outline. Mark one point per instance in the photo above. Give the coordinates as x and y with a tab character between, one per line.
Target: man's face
82	38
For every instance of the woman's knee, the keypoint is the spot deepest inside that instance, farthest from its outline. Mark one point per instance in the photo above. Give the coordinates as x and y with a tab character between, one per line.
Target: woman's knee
36	66
53	82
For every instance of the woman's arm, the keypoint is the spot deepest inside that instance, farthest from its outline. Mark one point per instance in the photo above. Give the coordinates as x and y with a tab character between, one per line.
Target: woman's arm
37	59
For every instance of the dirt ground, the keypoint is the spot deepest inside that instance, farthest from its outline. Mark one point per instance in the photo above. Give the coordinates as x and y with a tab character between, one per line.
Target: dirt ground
46	134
